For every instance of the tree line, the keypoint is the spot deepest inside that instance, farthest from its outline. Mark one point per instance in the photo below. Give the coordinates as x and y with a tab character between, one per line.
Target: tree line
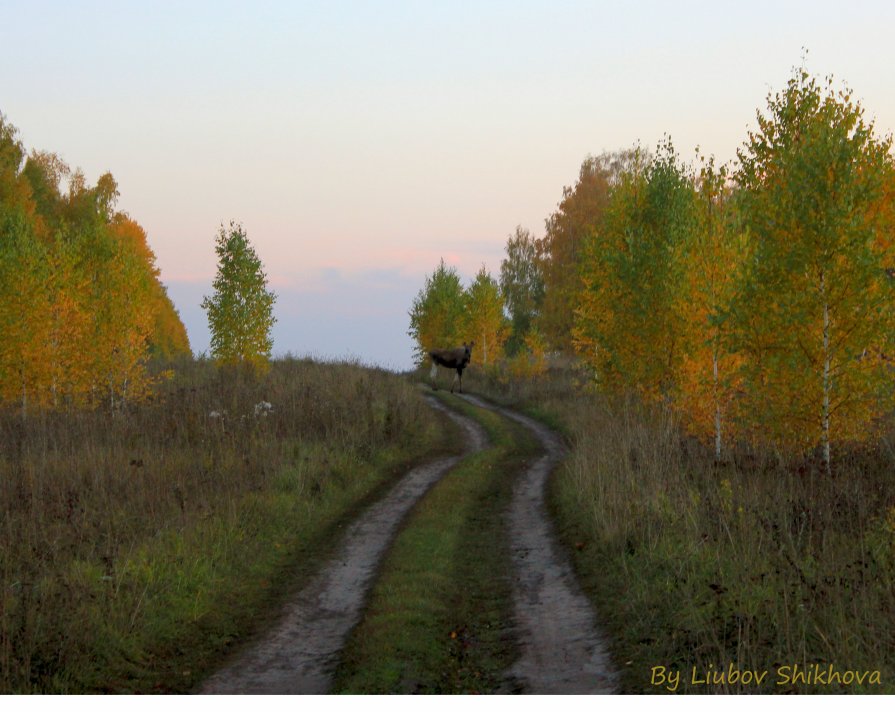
81	305
755	299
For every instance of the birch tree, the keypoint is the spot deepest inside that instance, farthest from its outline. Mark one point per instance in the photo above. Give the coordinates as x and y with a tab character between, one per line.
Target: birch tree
240	312
816	315
714	260
522	286
483	320
577	216
628	324
436	316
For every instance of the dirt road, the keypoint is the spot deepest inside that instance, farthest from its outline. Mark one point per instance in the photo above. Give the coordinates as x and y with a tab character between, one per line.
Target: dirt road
562	650
298	655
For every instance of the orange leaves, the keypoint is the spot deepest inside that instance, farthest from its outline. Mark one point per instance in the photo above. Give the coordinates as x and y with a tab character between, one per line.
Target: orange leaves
78	288
628	325
531	361
577	216
817	309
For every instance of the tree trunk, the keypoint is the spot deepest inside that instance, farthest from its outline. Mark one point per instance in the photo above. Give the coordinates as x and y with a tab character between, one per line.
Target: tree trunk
827	385
717	406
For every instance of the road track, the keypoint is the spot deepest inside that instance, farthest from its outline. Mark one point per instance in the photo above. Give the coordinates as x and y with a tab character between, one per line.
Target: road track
298	655
561	649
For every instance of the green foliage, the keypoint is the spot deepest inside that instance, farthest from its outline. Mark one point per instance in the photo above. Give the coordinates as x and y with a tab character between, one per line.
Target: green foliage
436	317
12	153
484	321
444	314
522	286
240	312
763	307
629	325
817	316
44	172
579	212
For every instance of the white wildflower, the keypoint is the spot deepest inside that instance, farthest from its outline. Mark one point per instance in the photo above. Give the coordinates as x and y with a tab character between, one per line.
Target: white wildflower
263	409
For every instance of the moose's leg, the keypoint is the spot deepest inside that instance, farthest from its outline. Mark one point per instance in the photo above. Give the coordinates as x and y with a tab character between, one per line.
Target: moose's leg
433	374
458	377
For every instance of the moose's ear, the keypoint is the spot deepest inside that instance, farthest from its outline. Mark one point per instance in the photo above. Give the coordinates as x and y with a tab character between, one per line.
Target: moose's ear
471	344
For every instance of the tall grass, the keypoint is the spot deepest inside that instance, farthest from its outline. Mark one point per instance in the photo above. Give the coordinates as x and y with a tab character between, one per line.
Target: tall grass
135	545
759	562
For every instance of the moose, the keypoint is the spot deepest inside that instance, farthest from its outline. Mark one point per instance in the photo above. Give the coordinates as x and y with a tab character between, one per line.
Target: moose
451	358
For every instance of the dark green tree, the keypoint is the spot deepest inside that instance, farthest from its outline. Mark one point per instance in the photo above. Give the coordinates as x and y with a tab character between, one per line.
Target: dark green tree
522	286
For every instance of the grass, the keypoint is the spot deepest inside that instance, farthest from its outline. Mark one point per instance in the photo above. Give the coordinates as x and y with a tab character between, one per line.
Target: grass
438	619
138	547
758	562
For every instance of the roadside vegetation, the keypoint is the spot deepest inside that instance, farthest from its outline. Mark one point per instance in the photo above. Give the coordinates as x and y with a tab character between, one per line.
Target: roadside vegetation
439	616
759	560
715	342
138	546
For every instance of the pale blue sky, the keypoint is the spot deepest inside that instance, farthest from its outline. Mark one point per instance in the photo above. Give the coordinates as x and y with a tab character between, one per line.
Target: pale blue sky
360	142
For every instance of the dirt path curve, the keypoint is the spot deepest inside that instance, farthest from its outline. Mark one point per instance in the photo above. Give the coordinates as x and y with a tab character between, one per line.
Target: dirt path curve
298	655
562	652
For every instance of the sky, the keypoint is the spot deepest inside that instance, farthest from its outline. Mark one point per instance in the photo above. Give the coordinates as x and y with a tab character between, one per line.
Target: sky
359	143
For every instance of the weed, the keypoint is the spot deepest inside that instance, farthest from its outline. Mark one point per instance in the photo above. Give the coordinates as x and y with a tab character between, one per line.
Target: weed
755	562
138	546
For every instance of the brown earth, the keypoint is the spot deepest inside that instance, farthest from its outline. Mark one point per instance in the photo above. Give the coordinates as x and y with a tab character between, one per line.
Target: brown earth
298	655
562	652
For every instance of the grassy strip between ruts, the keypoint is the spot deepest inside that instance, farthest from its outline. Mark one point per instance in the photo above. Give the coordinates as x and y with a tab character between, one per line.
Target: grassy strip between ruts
439	617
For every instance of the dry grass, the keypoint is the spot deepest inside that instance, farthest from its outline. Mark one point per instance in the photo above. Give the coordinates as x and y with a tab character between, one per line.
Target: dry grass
126	537
757	562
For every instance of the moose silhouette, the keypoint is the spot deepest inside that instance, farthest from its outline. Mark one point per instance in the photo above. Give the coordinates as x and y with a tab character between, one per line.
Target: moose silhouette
451	358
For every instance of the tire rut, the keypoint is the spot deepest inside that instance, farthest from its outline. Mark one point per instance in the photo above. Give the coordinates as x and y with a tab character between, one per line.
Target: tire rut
562	651
299	654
